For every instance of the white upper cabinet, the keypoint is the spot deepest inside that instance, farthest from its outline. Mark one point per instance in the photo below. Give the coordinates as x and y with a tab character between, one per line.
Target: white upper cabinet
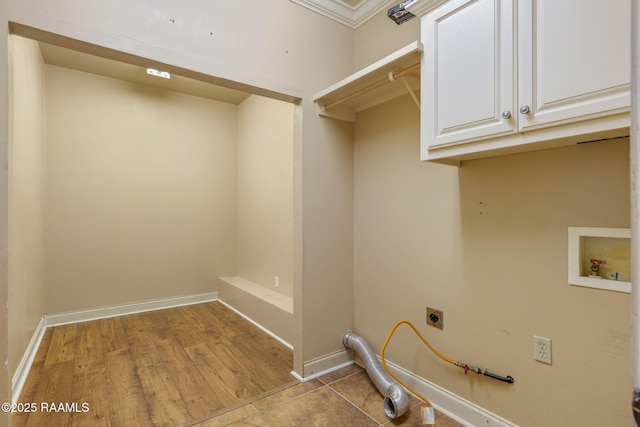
467	77
502	76
574	60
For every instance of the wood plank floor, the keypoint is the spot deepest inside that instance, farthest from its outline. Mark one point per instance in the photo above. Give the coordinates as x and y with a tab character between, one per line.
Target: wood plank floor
161	368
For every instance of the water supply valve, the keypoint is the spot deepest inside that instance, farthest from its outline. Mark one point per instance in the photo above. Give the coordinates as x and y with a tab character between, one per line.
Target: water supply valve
595	266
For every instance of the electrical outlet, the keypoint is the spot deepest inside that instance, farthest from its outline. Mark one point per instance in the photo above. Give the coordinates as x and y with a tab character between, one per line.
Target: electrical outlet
435	317
542	349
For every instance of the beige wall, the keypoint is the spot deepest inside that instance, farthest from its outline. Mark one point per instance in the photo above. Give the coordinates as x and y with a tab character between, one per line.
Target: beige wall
141	192
487	243
263	242
528	202
26	197
327	246
265	193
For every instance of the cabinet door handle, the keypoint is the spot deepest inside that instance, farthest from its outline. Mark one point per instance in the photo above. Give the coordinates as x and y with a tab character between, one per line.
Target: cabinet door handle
506	114
524	109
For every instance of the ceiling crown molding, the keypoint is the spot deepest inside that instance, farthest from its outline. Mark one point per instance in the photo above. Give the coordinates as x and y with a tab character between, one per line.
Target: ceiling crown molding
351	16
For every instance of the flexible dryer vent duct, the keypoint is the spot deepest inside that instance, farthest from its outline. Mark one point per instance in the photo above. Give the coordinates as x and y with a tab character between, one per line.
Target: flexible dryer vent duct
396	400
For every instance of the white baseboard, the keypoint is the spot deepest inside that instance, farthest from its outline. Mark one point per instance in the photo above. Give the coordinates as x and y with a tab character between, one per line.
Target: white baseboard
283	342
22	371
321	373
124	309
325	364
452	405
271	310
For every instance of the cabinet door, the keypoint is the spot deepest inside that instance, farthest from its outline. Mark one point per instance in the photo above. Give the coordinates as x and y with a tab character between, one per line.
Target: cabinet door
467	72
574	60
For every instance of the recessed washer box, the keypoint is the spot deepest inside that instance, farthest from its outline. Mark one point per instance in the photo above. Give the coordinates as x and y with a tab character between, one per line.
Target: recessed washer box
609	249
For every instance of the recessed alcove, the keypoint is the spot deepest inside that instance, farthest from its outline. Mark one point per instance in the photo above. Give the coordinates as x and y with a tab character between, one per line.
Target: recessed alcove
149	188
600	258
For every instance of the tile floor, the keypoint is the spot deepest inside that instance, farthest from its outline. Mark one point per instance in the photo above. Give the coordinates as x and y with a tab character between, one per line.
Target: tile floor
345	397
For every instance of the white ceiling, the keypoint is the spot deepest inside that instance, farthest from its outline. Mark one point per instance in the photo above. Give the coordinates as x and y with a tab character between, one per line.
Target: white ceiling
352	13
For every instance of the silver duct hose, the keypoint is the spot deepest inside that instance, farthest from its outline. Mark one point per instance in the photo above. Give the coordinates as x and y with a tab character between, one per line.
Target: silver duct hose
396	400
